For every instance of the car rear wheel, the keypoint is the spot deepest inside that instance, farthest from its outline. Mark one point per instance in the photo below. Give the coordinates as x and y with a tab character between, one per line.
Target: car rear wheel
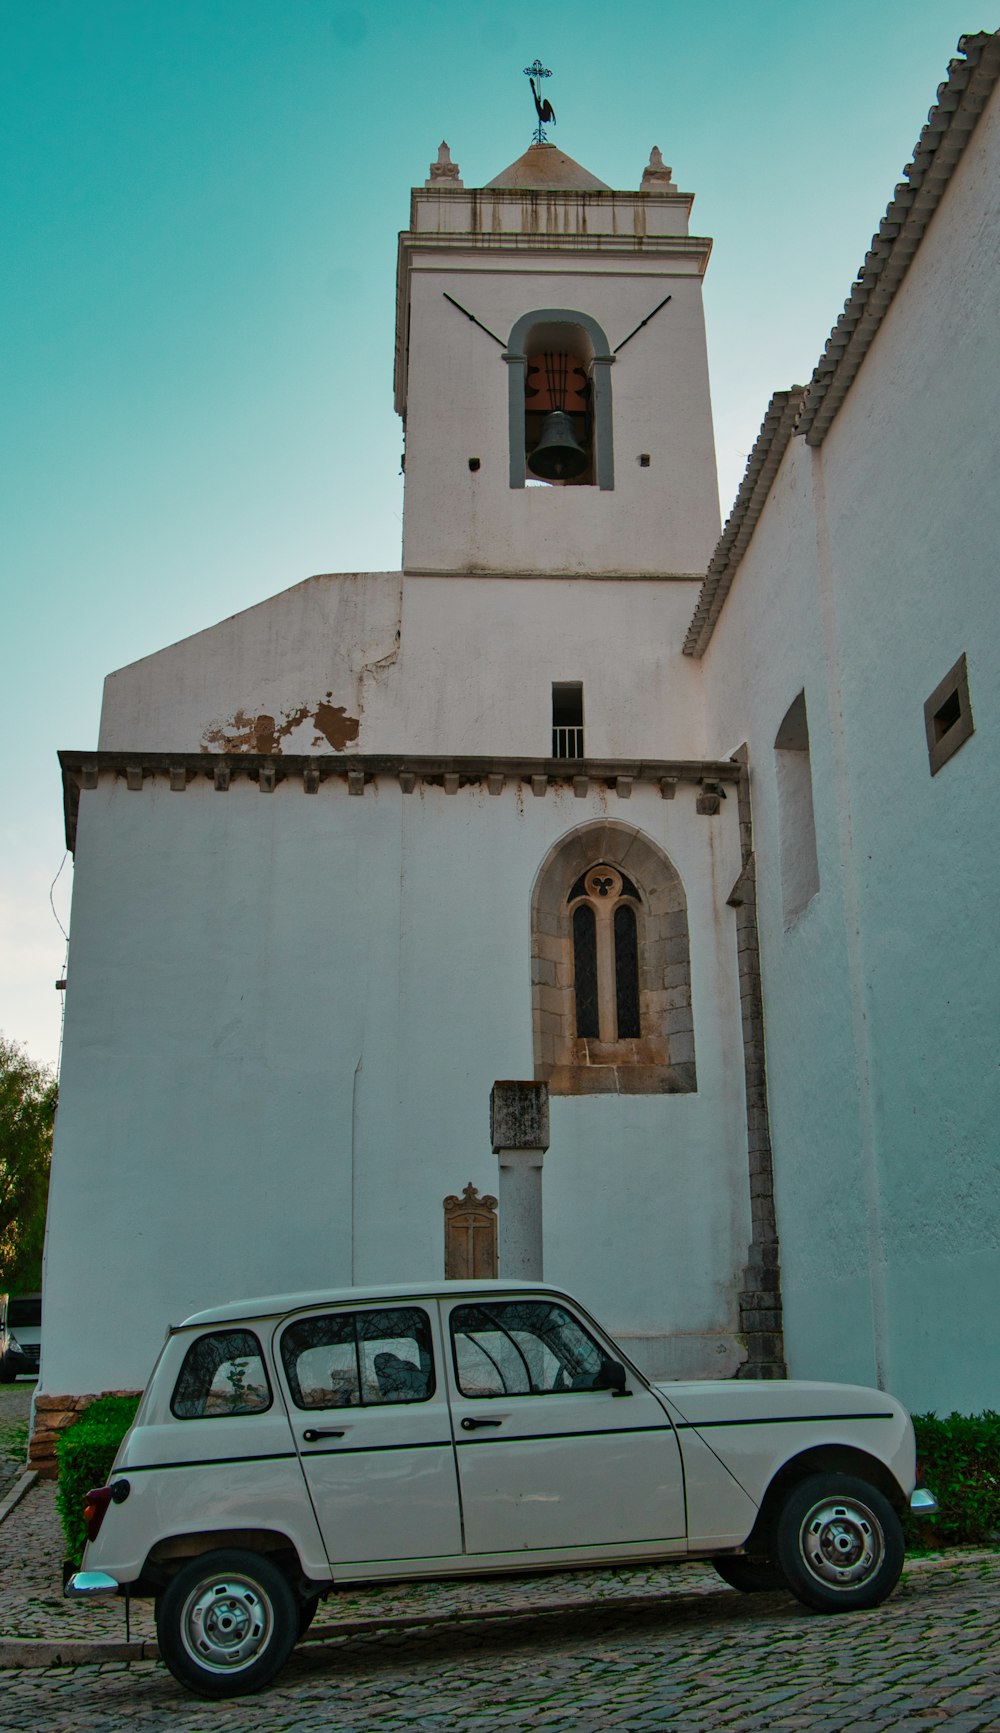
752	1574
839	1543
226	1623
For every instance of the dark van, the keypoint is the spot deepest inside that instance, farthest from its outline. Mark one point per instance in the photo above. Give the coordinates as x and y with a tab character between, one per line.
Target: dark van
20	1335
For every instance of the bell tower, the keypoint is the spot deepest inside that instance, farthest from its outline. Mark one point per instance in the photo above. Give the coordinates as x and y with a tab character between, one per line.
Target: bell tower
552	376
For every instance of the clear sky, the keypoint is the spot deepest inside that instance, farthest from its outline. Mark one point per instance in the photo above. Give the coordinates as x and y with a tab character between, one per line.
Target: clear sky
200	205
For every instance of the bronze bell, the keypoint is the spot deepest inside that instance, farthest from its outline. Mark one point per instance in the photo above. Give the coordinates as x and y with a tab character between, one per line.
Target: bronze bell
557	457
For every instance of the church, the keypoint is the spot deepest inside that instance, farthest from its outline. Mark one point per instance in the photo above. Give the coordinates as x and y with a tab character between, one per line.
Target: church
690	825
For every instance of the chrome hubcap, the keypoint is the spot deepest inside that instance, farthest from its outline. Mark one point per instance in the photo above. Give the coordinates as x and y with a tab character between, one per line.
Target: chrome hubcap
842	1543
226	1623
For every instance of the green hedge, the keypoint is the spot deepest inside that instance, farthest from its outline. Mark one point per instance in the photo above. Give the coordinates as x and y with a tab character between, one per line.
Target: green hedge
84	1453
960	1463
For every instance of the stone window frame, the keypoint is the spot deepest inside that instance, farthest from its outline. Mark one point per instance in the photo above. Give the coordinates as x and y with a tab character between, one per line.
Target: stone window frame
601	362
943	743
662	1059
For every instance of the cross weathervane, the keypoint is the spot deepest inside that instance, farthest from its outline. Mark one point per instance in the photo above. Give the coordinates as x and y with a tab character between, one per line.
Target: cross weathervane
543	108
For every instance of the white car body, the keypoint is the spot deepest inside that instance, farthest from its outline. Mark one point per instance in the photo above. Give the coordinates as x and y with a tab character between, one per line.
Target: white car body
461	1449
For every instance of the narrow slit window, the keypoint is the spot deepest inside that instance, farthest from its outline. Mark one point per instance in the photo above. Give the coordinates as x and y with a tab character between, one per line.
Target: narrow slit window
567	719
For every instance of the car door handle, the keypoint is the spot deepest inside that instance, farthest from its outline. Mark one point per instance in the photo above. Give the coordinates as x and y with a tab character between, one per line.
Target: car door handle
312	1433
469	1424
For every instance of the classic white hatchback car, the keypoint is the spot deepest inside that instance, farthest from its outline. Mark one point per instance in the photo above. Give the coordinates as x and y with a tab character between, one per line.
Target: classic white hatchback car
285	1446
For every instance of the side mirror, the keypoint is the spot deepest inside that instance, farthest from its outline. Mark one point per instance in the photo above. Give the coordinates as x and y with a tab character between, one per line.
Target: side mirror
612	1377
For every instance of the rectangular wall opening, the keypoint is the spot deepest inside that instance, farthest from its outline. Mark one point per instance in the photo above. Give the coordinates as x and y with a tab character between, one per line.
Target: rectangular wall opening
567	719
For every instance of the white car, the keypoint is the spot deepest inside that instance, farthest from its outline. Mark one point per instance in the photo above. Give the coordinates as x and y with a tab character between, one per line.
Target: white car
286	1446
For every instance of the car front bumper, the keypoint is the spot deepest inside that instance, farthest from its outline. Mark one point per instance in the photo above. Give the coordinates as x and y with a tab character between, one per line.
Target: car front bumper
85	1585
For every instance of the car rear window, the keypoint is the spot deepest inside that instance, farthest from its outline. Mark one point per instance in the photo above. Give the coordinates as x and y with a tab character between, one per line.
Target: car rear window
223	1374
359	1359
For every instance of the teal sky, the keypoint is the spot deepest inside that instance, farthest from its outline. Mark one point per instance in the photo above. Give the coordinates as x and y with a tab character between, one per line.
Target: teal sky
200	206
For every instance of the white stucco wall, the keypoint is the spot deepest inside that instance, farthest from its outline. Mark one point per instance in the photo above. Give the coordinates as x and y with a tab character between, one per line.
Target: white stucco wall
664	518
424	665
871	570
285	1016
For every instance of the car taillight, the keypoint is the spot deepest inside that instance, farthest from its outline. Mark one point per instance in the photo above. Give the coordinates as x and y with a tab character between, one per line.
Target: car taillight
96	1503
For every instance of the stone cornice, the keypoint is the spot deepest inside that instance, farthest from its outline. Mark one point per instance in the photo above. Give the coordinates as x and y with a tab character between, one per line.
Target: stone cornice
83	770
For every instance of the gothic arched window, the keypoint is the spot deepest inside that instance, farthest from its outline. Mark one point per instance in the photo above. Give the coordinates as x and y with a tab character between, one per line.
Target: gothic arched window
604	904
611	972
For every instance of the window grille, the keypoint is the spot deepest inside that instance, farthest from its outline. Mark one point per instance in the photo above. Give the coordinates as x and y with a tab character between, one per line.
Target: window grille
567	719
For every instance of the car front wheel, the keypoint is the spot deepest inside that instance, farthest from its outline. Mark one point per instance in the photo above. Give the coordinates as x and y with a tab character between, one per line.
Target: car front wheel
839	1543
226	1623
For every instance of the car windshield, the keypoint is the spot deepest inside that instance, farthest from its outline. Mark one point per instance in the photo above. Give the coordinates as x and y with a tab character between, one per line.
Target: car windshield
25	1313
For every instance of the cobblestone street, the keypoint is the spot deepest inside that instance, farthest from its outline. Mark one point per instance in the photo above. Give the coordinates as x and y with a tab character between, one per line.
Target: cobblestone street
705	1657
15	1406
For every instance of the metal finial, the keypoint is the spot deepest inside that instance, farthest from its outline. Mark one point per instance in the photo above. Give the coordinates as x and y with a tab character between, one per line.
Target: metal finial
543	108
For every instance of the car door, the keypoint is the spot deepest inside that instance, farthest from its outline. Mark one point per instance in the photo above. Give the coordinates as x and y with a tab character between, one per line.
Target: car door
369	1415
549	1456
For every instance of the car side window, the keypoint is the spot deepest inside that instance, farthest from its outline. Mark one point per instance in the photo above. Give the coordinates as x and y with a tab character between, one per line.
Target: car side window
223	1373
359	1359
523	1348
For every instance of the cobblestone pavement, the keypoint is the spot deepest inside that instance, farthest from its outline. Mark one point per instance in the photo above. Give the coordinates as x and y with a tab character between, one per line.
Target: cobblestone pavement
643	1651
15	1406
927	1659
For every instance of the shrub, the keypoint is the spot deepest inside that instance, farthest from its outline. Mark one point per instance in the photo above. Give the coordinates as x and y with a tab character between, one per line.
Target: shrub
960	1462
84	1453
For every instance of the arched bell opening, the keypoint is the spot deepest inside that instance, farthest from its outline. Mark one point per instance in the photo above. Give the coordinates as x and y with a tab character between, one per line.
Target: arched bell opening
559	375
558	406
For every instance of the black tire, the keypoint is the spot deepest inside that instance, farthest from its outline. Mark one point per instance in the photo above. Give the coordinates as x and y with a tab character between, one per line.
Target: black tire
839	1543
227	1623
7	1372
751	1574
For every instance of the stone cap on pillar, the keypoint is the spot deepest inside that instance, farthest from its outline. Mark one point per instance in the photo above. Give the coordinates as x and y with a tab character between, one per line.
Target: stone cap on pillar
519	1116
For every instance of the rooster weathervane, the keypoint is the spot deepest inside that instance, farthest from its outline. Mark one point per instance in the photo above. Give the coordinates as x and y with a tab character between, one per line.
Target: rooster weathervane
543	108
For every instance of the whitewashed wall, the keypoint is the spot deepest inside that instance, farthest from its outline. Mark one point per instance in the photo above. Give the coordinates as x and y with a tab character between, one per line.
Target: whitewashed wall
873	567
664	518
463	666
284	1019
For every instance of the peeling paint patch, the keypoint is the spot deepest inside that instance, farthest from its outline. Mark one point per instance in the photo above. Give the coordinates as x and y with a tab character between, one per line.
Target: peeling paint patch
263	733
335	725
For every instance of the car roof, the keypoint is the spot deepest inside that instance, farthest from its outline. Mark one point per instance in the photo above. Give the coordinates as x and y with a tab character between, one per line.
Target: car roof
272	1305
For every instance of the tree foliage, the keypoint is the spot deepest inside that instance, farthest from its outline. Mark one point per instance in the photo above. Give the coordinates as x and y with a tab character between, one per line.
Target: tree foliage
27	1111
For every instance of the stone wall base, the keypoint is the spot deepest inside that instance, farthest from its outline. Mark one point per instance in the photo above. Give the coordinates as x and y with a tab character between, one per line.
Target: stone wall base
52	1416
